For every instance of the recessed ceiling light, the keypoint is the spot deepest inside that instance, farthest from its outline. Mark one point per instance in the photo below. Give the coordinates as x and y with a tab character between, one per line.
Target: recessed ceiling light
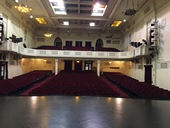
31	16
41	20
58	7
116	23
66	23
98	9
92	24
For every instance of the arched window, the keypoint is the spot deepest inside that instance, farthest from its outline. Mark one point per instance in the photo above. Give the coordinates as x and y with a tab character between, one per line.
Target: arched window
58	42
99	43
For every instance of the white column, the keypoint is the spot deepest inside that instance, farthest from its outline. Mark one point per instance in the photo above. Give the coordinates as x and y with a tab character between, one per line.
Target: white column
98	67
56	66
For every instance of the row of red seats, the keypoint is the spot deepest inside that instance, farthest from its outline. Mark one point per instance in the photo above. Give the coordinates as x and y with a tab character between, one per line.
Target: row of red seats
139	89
45	47
78	48
75	83
107	49
17	83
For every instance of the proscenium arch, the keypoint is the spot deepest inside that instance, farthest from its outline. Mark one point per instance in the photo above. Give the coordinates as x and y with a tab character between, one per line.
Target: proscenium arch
99	43
58	42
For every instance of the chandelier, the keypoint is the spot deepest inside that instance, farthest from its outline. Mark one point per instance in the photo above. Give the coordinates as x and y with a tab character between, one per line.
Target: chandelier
23	8
130	11
48	34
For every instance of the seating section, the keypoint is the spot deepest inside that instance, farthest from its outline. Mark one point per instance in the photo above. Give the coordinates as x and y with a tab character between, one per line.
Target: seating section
45	47
18	83
138	89
78	48
83	83
107	49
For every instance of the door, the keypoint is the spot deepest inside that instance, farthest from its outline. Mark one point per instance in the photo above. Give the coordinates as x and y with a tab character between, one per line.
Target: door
3	70
68	65
88	66
78	65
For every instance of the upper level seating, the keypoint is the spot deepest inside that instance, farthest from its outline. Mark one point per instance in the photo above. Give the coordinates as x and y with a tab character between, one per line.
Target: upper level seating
139	89
10	86
107	49
45	47
78	48
75	83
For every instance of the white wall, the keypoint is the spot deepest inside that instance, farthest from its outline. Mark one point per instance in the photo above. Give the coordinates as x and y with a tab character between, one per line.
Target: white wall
138	30
163	59
18	25
80	36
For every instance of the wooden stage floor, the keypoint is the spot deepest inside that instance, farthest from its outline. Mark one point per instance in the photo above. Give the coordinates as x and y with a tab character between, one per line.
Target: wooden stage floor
82	112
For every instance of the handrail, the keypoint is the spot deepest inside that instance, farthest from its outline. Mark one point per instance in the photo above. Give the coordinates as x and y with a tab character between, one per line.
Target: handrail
28	52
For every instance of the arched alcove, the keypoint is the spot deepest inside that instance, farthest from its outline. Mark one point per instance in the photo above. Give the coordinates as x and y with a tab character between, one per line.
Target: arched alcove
58	42
99	43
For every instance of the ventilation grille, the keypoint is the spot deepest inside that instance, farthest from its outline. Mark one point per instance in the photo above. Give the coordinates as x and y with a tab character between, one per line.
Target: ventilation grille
164	65
12	62
100	54
89	53
140	66
116	42
77	53
112	54
42	52
54	52
108	41
40	39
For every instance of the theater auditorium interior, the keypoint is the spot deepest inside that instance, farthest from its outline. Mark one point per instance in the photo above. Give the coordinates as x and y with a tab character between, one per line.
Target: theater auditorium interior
84	63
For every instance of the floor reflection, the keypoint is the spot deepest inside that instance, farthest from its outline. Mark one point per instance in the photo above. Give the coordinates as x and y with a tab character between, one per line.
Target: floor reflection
83	112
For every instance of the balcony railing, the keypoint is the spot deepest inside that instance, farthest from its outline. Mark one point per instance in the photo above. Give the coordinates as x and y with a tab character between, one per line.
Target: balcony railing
28	52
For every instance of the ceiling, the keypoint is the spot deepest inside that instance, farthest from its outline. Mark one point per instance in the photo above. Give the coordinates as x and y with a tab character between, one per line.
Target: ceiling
79	13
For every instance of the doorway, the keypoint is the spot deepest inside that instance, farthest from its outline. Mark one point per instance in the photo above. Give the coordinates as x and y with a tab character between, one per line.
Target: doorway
78	65
3	70
99	43
58	42
67	65
88	65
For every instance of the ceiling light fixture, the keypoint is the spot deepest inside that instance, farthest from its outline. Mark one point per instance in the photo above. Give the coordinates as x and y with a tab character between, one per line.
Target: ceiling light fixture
31	16
130	11
116	23
98	9
48	34
23	8
58	7
41	20
91	24
66	23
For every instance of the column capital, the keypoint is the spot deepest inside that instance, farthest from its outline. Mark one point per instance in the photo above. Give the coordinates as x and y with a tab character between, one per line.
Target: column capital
98	61
56	60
